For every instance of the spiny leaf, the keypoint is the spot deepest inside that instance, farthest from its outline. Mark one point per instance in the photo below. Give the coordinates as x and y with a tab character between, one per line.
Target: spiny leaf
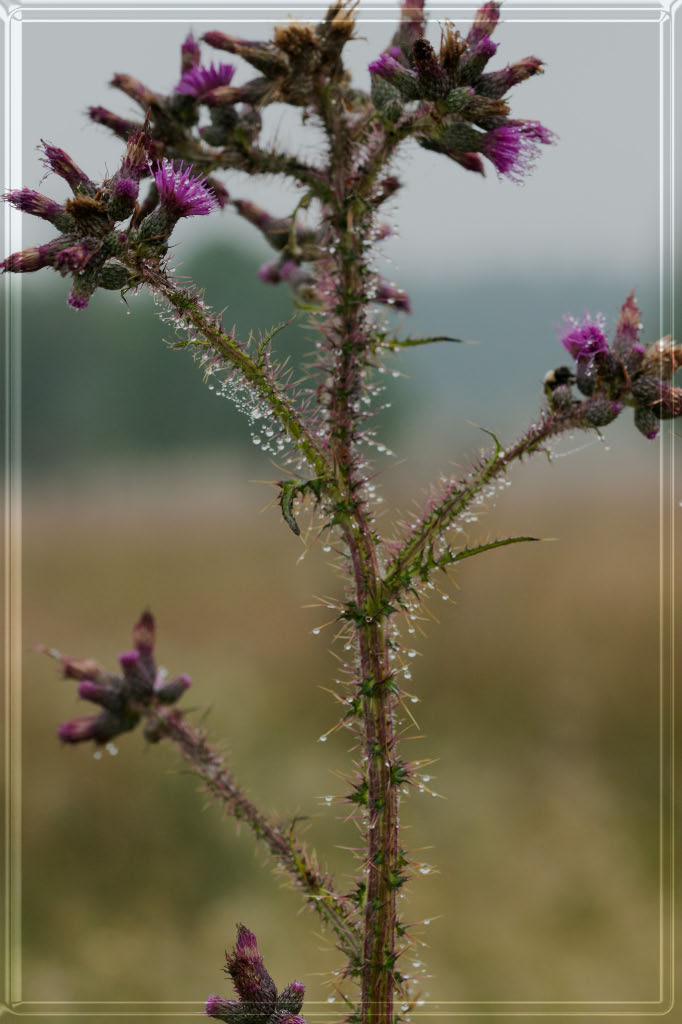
503	542
397	343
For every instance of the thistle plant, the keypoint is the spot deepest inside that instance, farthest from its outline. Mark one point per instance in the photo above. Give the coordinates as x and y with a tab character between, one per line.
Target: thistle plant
116	233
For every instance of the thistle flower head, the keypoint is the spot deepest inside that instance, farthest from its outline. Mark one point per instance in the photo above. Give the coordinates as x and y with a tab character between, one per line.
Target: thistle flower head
463	111
123	699
584	339
513	147
249	976
625	372
198	80
181	192
258	999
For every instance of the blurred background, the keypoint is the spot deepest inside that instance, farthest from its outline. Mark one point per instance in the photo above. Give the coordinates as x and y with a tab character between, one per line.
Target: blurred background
538	678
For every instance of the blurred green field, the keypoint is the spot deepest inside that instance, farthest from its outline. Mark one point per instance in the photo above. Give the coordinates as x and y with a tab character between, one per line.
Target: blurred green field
539	697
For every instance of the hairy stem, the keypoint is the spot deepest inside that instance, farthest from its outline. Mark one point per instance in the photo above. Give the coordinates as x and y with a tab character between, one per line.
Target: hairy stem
347	331
293	858
191	309
408	562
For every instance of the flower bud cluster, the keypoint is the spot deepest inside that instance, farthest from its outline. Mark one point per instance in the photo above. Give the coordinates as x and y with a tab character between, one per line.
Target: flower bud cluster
94	248
123	699
625	372
258	1001
461	108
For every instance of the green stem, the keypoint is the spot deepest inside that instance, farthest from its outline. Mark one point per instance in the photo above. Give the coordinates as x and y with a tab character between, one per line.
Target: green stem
187	305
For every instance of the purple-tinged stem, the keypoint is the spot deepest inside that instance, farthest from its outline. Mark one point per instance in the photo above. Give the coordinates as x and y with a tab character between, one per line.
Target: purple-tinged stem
208	764
347	331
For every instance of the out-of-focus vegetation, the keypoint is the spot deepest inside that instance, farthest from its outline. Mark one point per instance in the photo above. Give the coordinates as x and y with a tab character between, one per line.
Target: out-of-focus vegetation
538	688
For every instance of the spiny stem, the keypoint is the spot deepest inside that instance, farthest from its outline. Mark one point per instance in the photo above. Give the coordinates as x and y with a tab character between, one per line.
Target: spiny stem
458	496
347	333
189	308
208	764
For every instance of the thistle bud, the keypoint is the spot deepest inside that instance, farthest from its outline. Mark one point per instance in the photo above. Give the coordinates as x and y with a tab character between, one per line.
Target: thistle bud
265	57
28	201
403	78
290	999
432	81
61	163
646	422
170	692
386	98
600	411
137	681
136	90
106	695
113	276
247	970
190	53
121	126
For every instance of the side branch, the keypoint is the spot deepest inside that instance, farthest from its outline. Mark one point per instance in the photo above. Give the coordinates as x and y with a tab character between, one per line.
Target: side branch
192	311
290	855
415	560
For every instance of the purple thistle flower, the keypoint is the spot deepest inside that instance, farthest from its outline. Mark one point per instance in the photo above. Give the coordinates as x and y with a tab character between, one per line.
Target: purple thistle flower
37	205
182	194
126	188
513	148
198	80
59	162
583	340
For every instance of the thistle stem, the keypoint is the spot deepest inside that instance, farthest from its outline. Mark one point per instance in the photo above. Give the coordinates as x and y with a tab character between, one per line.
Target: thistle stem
459	494
293	858
347	331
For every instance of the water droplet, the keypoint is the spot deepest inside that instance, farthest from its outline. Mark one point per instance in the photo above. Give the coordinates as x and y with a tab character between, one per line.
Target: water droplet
425	870
323	739
97	755
331	999
316	631
257	440
414	700
326	548
328	799
411	654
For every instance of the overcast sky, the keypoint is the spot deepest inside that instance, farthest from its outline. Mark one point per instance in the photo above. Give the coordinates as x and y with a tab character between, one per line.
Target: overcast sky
592	204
